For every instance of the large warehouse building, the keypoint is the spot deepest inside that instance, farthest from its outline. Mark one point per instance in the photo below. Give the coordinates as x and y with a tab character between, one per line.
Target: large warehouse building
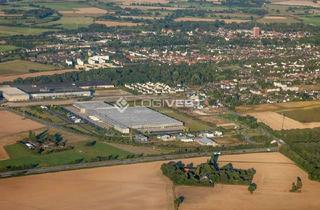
26	92
13	94
44	91
138	118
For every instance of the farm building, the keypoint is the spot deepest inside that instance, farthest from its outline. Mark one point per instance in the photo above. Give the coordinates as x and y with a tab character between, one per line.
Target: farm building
139	118
13	94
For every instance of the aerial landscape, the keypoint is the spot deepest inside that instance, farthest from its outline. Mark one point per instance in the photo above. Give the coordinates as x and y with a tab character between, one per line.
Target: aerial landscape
160	104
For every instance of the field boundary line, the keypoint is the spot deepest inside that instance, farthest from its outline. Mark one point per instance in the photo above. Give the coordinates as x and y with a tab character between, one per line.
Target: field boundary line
78	166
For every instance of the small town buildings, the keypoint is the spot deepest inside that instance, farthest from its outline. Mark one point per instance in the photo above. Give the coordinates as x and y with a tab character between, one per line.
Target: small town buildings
166	137
256	32
141	138
185	138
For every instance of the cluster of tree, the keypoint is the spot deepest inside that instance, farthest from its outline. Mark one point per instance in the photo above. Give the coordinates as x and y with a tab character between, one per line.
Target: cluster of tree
44	143
39	13
91	143
303	148
252	187
246	120
296	186
19	167
178	201
206	174
175	74
111	157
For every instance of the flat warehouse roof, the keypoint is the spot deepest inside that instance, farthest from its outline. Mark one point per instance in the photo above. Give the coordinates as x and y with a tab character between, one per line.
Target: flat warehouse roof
137	117
91	105
133	117
11	91
49	88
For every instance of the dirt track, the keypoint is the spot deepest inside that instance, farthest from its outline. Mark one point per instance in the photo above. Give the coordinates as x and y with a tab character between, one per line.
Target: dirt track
142	186
276	121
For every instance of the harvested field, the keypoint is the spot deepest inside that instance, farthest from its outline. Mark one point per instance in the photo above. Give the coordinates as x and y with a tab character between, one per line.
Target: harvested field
304	115
111	23
12	123
297	3
193	19
279	107
142	186
91	11
36	74
275	174
139	186
277	121
275	17
12	128
21	66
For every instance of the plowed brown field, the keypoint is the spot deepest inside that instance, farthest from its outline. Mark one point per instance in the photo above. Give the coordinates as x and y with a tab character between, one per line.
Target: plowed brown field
142	186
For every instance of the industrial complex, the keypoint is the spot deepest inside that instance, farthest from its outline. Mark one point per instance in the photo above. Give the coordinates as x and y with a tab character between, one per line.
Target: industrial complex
139	118
25	92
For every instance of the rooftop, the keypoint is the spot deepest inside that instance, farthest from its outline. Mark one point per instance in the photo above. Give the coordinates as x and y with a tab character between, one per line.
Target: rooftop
133	117
49	88
11	91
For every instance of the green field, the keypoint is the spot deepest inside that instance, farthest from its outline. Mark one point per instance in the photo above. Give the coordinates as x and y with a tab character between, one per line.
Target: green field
70	22
5	48
313	20
63	5
304	115
20	155
10	30
189	122
20	67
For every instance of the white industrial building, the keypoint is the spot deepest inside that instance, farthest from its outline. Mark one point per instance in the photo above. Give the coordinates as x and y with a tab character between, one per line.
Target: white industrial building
138	118
58	90
13	94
